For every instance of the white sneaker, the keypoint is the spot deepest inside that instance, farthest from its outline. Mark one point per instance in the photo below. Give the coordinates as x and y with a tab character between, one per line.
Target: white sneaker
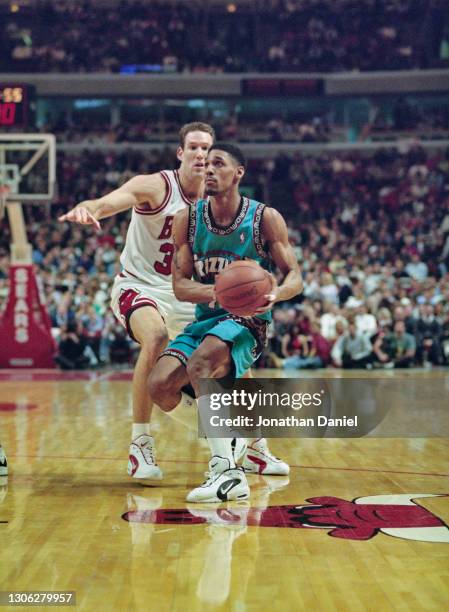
263	462
224	483
3	463
239	448
142	459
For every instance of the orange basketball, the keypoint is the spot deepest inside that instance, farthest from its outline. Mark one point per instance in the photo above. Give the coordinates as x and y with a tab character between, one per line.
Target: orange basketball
242	286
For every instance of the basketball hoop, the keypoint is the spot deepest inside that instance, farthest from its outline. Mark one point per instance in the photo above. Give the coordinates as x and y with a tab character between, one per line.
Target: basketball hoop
4	191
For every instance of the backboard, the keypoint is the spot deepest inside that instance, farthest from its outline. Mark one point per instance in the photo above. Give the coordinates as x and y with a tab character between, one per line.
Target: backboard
28	167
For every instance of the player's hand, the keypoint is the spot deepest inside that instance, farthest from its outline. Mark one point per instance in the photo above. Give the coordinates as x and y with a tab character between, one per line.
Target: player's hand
270	297
80	215
212	298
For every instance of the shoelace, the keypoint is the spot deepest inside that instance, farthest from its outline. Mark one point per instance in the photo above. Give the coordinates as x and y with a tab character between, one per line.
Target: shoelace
209	478
148	453
271	456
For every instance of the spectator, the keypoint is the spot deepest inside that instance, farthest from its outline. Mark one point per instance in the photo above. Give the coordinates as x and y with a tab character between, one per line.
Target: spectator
329	290
329	320
416	268
292	342
365	321
321	344
445	339
400	346
303	355
380	356
73	351
429	333
355	348
336	353
119	346
92	325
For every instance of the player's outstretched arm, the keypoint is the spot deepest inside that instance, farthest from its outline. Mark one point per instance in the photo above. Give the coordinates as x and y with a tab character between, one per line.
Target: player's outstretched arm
144	188
186	289
275	234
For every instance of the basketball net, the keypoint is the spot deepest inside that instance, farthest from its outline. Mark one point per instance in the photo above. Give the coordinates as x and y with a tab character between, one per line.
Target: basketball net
4	191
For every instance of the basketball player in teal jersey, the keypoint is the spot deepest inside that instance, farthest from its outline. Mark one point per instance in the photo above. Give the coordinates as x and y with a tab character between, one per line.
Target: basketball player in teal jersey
210	235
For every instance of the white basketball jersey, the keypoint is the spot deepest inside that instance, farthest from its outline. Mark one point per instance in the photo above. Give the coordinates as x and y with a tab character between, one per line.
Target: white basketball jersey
149	249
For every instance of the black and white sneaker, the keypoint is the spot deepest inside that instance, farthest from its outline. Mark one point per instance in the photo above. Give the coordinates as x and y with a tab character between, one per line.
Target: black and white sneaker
224	483
3	463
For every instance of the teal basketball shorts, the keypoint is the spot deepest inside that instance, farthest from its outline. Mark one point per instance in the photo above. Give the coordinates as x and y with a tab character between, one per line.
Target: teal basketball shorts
246	336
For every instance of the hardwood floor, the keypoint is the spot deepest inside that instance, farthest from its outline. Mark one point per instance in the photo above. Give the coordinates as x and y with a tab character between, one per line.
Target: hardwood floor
71	519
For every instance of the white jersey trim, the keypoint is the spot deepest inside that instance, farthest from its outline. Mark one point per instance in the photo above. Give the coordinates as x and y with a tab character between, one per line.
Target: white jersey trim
181	191
168	194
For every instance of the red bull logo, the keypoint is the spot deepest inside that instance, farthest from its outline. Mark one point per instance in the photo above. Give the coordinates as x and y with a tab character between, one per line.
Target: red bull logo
362	518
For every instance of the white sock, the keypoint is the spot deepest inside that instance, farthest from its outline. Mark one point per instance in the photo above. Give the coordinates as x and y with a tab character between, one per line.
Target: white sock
139	429
259	444
222	447
218	446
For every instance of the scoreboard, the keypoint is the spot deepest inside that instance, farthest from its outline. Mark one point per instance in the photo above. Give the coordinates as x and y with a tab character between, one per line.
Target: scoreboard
17	105
281	87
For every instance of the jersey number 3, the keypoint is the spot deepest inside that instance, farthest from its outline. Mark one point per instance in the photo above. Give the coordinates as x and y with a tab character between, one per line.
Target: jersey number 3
164	266
168	249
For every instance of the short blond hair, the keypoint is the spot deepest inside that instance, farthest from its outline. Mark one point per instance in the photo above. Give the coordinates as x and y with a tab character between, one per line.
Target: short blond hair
196	126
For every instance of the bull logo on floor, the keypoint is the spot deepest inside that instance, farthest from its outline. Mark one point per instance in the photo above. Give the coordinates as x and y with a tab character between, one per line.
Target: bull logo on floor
360	519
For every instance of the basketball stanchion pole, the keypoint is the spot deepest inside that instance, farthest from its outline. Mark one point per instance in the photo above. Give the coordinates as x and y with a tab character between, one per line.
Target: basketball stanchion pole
25	326
4	190
21	252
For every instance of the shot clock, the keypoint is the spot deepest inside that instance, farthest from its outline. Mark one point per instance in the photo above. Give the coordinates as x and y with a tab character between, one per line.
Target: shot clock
17	105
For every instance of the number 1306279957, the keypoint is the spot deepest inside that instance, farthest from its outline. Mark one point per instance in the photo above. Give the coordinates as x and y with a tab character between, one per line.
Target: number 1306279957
32	598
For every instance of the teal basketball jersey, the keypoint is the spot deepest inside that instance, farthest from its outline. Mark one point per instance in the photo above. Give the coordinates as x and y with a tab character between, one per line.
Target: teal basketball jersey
215	247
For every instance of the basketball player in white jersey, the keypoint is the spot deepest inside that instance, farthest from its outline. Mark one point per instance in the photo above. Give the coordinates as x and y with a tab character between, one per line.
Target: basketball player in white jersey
142	295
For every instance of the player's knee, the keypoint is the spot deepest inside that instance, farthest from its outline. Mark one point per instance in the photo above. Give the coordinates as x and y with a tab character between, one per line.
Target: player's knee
160	387
198	367
163	389
207	362
166	403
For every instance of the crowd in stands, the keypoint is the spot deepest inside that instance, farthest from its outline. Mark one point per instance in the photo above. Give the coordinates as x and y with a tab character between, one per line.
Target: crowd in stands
266	36
371	234
254	130
403	118
426	123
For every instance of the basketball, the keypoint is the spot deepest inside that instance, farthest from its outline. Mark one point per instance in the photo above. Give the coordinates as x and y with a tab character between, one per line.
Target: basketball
241	288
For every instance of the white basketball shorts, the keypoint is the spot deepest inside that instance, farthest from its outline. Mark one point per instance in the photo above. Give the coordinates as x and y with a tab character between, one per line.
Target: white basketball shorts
128	294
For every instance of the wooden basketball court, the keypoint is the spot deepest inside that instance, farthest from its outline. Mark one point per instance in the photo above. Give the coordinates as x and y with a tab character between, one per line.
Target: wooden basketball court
72	520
